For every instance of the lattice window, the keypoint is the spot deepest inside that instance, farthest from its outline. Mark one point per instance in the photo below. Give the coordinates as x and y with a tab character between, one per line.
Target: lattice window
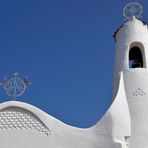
18	118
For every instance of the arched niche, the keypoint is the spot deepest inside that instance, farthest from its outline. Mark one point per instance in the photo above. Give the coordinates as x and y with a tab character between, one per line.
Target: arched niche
136	56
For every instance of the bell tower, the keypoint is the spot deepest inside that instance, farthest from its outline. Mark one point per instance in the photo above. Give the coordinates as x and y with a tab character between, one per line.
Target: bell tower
131	59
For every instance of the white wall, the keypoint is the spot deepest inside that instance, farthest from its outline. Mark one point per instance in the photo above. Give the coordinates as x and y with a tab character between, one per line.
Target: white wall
34	128
134	33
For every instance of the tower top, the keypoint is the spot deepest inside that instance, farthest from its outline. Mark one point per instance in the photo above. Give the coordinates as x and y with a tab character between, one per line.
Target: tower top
131	10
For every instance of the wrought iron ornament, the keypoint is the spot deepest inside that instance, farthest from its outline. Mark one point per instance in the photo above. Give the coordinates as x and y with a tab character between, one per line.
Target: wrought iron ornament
15	86
131	10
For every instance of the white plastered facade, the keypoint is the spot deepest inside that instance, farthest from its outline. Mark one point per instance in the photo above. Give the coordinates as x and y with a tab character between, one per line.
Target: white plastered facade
134	33
45	131
124	125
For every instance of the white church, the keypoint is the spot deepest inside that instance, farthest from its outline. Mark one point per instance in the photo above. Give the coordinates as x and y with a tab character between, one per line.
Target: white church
124	125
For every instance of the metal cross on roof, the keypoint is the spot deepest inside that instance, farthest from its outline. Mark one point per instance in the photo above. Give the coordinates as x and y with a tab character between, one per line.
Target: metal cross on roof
131	10
15	86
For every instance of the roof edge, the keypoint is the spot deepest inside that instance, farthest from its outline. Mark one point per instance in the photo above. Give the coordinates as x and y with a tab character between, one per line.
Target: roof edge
115	34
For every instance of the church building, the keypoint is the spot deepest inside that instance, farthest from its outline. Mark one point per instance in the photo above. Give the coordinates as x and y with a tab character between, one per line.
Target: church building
125	123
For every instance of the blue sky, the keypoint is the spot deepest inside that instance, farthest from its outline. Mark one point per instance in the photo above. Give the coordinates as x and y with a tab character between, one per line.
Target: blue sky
66	49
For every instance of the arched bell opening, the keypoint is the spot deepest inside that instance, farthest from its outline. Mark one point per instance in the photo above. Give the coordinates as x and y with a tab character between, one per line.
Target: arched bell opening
136	57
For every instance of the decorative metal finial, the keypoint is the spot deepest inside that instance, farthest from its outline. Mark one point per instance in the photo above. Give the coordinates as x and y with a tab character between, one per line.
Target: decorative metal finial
15	86
131	10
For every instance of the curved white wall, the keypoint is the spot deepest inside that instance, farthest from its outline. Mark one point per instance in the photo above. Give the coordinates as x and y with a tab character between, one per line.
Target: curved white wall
136	88
25	126
134	33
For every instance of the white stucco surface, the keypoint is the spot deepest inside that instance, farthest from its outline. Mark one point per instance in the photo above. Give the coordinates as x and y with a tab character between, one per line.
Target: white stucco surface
134	33
124	125
25	126
137	97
